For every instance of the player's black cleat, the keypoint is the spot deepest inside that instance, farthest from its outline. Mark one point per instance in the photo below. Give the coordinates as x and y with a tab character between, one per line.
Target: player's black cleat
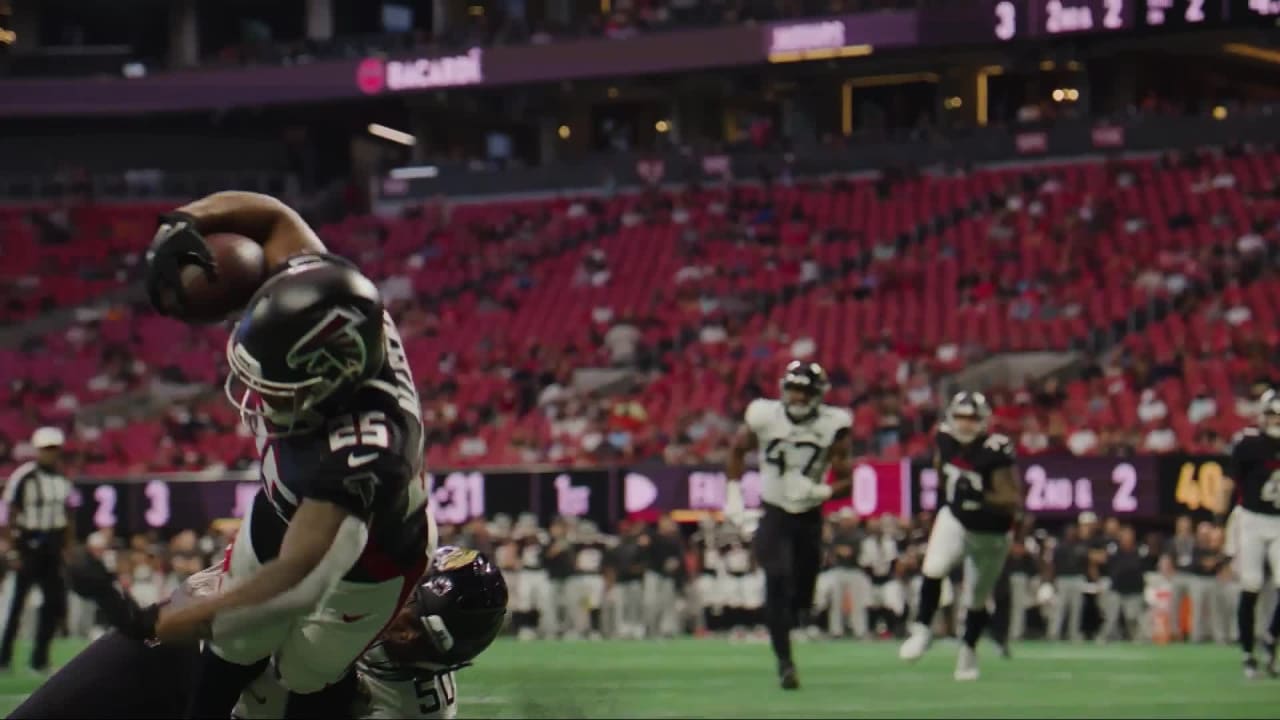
1250	668
1005	652
788	677
1269	653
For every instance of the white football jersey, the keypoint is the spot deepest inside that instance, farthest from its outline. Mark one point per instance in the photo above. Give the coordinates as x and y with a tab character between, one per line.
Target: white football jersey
793	456
387	692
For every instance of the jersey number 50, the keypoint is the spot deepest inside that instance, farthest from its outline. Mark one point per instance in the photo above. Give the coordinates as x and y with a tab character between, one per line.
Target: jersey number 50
429	701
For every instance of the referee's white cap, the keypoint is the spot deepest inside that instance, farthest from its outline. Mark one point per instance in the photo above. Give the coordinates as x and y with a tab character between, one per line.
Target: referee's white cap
47	437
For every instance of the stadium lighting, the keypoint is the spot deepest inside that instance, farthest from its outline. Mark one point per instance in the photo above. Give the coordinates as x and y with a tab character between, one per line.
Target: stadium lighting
1059	95
395	136
564	132
1220	112
662	126
418	172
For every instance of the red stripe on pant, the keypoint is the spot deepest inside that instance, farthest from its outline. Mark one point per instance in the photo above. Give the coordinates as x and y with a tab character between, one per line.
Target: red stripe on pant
382	568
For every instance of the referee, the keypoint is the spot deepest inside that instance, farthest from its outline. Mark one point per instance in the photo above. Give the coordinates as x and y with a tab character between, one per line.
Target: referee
40	527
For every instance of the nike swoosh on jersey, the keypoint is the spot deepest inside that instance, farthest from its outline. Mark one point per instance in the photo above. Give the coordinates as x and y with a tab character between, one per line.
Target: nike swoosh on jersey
358	460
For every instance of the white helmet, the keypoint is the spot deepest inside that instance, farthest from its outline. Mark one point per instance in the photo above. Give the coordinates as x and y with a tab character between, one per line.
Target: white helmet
1269	414
970	405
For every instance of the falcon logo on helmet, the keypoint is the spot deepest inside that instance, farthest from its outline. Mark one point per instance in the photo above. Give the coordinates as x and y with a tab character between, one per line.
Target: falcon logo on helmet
332	345
1269	414
967	417
306	340
803	386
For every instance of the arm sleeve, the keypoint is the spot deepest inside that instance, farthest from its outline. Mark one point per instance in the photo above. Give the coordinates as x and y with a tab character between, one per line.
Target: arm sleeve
343	552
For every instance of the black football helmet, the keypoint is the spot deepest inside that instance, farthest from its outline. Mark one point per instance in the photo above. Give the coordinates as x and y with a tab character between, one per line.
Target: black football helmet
461	605
307	339
811	381
971	406
1269	414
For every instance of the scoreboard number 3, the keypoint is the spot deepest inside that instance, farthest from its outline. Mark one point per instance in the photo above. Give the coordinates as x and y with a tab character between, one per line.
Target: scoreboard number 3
1006	20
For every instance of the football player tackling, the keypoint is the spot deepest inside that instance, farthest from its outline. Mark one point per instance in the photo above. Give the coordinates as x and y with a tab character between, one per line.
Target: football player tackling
976	512
799	438
1255	472
454	613
335	540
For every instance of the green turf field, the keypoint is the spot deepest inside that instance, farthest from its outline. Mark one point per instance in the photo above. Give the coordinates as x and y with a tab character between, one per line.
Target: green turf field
716	678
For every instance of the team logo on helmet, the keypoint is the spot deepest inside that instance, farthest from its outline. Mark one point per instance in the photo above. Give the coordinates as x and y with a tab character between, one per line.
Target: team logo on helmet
454	558
334	344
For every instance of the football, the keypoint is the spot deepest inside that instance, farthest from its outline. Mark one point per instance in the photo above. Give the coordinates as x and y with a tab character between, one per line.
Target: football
241	265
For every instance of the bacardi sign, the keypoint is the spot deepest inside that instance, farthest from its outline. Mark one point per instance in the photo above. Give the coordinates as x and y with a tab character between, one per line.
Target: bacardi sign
375	75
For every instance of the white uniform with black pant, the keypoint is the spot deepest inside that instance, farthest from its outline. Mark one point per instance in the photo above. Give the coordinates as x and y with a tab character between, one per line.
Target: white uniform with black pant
794	457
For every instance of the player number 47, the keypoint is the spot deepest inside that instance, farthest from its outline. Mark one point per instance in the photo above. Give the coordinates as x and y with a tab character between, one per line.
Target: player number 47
368	429
782	455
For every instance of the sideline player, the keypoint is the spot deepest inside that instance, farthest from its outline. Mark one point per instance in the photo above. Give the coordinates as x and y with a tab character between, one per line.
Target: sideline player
455	613
333	543
799	438
1255	473
981	498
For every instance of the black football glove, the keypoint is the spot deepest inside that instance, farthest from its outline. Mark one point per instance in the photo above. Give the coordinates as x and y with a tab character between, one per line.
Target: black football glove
177	244
90	579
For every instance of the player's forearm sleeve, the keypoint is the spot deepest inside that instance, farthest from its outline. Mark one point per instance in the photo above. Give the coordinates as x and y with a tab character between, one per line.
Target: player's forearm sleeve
346	548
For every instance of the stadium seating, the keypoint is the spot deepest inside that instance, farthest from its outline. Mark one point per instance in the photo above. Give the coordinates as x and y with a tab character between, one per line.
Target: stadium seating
996	260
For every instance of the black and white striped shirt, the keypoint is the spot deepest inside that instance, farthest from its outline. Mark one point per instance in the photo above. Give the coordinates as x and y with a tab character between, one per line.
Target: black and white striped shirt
37	499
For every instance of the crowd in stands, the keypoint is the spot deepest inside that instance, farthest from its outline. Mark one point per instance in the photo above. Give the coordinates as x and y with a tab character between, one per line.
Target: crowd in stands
698	296
1098	580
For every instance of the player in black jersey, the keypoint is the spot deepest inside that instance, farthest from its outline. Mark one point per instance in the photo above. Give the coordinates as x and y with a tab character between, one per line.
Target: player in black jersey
335	539
1255	471
980	500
